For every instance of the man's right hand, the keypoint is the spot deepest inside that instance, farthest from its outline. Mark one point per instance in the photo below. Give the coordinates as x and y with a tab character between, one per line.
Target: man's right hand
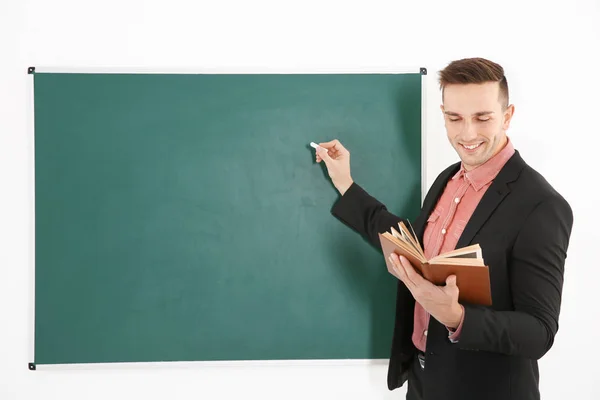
337	160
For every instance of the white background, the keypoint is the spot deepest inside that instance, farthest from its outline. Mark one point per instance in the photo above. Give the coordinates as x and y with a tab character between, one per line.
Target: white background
550	51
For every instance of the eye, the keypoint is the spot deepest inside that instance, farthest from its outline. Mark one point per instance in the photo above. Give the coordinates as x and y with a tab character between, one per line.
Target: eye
483	119
453	119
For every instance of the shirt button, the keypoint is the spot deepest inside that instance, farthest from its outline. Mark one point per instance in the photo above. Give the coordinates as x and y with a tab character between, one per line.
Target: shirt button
425	333
444	231
457	200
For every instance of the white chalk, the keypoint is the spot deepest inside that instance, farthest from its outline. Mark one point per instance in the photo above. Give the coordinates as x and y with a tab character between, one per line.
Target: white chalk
316	146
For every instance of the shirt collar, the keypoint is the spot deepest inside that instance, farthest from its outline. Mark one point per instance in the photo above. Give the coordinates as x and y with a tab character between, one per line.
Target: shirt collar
486	172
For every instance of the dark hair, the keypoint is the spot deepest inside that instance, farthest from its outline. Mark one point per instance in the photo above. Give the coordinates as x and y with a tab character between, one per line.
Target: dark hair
475	70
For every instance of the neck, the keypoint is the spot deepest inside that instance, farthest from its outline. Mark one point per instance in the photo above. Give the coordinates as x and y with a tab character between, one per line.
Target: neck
501	145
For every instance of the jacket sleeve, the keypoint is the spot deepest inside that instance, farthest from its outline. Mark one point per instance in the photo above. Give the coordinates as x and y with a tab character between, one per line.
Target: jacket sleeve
536	280
364	214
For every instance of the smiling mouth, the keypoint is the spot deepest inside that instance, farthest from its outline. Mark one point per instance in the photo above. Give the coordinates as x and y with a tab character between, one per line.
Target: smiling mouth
472	146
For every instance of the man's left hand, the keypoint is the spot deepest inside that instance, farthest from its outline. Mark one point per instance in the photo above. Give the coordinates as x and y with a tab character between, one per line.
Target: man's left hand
439	301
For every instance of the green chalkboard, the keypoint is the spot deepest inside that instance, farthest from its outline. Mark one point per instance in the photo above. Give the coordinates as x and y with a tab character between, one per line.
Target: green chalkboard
182	217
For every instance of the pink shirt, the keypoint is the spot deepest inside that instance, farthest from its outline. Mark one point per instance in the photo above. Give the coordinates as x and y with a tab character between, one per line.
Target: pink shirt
448	219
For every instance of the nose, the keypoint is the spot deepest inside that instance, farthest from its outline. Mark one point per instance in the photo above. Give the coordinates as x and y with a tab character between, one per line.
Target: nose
469	131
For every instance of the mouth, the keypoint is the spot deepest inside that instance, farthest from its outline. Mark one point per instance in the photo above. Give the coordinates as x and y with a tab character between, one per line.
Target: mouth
471	147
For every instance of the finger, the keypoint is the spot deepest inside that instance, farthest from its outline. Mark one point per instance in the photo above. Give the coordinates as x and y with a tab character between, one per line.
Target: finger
393	269
451	280
335	148
322	153
411	274
335	154
451	287
328	145
400	271
334	145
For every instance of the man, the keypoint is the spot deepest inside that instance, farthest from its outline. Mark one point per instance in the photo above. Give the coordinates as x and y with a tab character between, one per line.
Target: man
447	350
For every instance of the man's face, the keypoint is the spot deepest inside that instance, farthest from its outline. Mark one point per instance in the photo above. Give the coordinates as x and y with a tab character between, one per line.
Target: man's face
475	121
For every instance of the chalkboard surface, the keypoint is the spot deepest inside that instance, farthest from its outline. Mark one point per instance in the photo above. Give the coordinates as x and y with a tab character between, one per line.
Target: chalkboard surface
182	217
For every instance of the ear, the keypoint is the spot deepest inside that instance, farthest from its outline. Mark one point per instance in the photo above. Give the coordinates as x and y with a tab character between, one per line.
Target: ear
508	114
444	116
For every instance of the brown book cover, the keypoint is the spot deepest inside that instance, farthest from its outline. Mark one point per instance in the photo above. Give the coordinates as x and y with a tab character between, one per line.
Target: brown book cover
472	275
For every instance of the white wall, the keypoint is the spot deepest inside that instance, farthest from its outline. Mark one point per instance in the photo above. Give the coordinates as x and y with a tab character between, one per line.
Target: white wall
550	51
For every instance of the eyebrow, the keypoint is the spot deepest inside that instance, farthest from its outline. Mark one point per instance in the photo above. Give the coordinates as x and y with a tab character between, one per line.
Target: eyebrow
477	114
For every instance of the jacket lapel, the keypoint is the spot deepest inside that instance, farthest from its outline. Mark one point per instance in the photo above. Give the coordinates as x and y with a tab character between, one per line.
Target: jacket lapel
494	195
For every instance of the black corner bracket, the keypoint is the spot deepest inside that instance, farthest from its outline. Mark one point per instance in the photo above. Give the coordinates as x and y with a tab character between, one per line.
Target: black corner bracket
31	70
31	366
423	71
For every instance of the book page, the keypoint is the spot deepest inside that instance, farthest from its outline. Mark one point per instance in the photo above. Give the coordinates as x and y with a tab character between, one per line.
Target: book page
466	255
415	236
412	240
471	262
470	255
404	246
472	249
405	239
396	234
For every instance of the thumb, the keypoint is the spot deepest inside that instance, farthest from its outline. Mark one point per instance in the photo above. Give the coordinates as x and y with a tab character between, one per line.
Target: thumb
324	154
451	280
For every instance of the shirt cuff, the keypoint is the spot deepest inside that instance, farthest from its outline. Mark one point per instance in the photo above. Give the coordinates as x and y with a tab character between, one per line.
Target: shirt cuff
454	334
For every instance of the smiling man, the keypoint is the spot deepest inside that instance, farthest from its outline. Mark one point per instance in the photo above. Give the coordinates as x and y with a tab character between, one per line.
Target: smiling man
446	349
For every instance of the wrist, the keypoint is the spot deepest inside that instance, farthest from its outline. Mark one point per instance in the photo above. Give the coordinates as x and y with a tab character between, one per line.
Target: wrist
343	188
455	316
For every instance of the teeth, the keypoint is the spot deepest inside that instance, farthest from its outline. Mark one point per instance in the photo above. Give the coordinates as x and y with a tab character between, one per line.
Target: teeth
472	146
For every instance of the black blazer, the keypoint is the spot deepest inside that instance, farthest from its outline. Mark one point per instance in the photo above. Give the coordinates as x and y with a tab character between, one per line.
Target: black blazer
523	226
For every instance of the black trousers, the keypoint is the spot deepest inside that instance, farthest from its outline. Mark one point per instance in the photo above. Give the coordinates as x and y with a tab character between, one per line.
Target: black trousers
415	379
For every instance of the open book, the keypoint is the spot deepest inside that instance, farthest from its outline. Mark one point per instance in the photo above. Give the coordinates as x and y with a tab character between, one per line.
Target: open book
472	275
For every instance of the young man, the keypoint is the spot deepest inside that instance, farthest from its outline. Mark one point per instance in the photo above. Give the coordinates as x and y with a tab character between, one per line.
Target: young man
448	350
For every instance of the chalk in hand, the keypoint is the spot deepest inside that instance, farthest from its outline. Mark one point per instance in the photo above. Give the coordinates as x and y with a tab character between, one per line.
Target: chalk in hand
316	146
